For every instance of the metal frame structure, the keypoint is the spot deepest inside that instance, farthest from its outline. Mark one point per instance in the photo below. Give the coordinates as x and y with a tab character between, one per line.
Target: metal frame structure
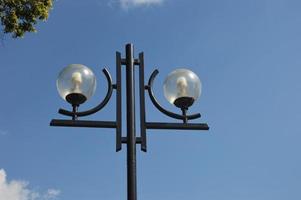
131	138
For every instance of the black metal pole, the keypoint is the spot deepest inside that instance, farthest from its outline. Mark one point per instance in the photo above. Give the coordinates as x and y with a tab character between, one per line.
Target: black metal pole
131	139
131	135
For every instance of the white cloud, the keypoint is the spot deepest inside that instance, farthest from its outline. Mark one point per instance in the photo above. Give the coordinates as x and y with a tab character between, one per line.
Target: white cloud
52	194
126	4
18	190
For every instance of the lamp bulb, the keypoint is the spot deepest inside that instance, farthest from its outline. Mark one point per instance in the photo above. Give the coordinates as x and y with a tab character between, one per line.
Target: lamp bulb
182	86
77	80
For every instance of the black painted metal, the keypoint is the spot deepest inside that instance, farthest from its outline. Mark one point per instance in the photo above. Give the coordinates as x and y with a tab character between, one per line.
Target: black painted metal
74	109
131	135
75	99
118	103
131	140
179	126
184	113
83	123
184	102
142	103
99	106
149	88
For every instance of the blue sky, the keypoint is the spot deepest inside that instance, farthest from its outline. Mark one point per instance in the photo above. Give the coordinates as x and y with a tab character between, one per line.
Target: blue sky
247	54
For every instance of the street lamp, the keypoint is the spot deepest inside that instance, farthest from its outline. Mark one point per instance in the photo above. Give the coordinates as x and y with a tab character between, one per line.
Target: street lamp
77	83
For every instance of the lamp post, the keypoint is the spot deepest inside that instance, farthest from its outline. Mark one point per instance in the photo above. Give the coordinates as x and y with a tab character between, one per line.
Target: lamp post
76	84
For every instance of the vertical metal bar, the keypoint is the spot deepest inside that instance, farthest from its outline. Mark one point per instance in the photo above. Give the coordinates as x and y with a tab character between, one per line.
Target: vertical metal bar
74	110
118	102
184	113
131	135
142	103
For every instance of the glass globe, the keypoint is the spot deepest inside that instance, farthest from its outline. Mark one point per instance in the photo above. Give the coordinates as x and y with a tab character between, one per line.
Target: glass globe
76	83
182	87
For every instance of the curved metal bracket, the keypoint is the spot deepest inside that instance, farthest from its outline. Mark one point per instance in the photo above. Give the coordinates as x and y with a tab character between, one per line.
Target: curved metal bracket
149	87
99	106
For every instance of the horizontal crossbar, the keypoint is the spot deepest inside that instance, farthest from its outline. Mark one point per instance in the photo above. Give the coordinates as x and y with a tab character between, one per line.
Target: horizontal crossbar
83	123
111	124
179	126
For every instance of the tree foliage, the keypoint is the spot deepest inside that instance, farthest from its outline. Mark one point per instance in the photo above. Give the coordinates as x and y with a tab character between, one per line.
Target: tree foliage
20	16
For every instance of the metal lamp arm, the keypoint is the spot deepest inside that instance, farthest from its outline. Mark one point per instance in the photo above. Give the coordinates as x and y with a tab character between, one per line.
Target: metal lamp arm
149	88
99	106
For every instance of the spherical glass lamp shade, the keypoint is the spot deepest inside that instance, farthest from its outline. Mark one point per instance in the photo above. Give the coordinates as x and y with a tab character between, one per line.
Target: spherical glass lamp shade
76	83
182	87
